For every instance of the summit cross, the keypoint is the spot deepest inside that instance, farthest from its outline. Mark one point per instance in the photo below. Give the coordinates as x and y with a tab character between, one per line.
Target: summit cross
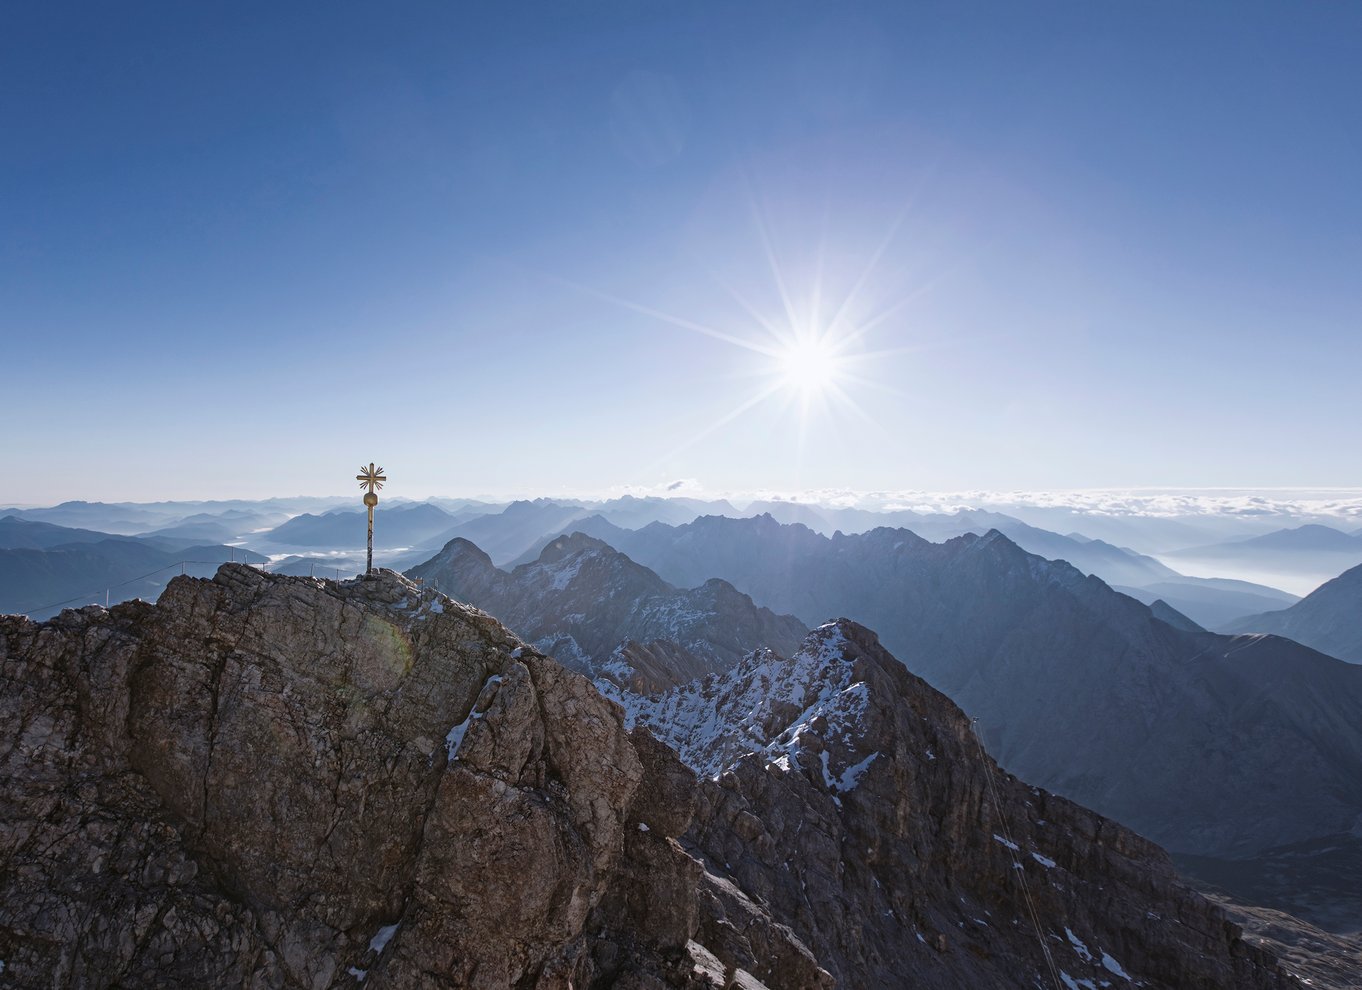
371	478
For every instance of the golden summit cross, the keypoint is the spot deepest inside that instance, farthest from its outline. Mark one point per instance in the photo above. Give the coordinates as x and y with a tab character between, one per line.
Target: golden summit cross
371	478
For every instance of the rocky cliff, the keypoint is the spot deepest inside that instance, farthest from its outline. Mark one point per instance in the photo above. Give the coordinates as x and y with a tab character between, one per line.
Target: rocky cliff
276	782
282	782
857	801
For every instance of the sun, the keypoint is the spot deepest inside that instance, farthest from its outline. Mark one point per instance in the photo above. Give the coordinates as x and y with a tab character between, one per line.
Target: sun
808	365
806	346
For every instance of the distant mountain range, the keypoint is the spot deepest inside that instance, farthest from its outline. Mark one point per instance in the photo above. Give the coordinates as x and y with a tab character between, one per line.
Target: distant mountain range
401	525
1308	555
1324	539
140	518
1116	548
329	533
507	534
44	568
521	530
1207	601
596	611
1329	619
23	534
1210	744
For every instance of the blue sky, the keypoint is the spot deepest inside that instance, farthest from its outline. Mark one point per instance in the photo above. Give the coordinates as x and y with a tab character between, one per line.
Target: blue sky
244	247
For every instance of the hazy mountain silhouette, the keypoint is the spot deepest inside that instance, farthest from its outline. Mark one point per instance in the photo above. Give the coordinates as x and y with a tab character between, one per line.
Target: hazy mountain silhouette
507	534
1212	601
1329	619
1207	601
1311	552
397	525
30	534
37	582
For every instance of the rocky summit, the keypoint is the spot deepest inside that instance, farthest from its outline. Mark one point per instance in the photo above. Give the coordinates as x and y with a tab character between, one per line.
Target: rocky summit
264	781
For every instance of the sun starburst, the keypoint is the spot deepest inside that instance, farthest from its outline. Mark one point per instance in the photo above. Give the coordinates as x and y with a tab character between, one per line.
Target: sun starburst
811	347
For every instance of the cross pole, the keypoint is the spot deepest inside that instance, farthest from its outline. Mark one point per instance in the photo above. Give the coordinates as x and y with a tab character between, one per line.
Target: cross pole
371	478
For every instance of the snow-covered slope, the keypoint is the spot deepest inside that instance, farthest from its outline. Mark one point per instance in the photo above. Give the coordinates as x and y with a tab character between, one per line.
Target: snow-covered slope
763	705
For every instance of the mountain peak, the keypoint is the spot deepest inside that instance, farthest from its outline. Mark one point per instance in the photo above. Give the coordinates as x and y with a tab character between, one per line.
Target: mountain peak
460	548
573	543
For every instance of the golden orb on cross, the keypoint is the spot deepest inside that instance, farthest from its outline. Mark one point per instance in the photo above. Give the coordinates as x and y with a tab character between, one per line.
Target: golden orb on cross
370	499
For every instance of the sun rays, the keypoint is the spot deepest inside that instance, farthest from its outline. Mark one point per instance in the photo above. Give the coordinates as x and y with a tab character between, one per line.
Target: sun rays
808	348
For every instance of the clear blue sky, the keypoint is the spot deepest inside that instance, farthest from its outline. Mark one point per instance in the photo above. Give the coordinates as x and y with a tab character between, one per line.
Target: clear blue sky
243	247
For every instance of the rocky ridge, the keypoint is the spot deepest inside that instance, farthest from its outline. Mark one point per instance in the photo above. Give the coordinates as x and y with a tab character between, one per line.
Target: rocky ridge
857	801
280	782
264	781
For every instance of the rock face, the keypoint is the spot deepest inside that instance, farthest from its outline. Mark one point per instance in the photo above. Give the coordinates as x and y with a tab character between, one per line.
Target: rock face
1329	619
857	802
597	612
274	782
264	781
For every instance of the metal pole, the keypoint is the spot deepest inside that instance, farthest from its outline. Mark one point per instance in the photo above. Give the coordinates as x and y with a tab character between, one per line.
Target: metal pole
371	478
370	568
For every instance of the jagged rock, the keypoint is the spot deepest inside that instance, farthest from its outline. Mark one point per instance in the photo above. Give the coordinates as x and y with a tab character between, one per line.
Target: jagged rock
855	802
269	782
597	612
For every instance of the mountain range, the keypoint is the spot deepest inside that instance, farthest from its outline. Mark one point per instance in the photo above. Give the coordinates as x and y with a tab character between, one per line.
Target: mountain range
1307	554
322	531
1208	601
400	525
1180	733
44	567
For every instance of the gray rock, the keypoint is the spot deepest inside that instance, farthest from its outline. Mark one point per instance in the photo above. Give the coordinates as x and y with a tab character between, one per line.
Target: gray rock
268	782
